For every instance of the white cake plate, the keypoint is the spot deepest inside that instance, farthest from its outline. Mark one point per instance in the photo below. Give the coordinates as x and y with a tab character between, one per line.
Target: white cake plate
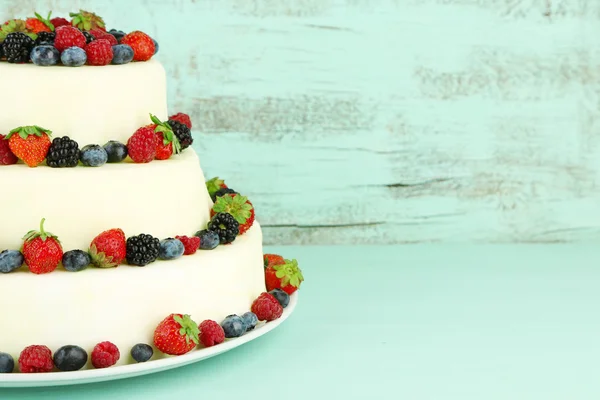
131	370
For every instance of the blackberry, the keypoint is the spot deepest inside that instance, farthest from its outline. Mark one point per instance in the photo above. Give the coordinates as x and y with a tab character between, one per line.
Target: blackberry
45	38
63	152
88	37
222	192
226	226
142	250
182	132
17	47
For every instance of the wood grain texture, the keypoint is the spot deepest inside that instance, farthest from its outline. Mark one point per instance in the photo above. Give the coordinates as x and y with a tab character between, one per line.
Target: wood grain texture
398	121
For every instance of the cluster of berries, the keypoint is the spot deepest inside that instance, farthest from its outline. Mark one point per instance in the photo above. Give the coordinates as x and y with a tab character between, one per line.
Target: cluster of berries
176	335
33	145
83	40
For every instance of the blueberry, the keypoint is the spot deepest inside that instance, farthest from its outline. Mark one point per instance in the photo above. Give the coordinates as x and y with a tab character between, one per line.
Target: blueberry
233	326
73	57
141	352
45	55
7	363
250	320
122	54
93	155
170	249
70	358
155	46
208	239
116	151
10	260
76	260
117	34
282	297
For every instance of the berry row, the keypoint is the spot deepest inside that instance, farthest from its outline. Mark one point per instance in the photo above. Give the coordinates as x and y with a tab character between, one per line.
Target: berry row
157	141
232	215
84	40
175	335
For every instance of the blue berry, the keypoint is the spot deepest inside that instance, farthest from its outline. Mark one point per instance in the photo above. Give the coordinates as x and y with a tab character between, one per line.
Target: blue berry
93	155
170	249
7	363
122	54
233	326
10	260
45	55
73	57
155	46
70	358
250	320
76	260
282	297
116	151
117	34
141	352
208	239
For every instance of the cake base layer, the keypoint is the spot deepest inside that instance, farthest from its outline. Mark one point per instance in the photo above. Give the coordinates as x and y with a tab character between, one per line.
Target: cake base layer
125	304
162	198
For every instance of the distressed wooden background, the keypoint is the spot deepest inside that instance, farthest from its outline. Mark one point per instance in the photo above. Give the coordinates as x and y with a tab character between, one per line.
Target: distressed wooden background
366	121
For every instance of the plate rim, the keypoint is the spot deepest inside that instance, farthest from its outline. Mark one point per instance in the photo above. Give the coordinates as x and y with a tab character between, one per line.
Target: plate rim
16	380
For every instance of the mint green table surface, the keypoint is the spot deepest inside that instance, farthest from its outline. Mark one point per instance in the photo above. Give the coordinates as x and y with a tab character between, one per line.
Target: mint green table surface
411	322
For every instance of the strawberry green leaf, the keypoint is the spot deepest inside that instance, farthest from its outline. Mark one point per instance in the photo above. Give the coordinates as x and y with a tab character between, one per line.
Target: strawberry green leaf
214	184
236	205
189	328
42	234
289	273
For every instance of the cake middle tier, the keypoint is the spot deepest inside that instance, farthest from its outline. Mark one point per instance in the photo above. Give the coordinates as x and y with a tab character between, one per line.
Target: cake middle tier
162	198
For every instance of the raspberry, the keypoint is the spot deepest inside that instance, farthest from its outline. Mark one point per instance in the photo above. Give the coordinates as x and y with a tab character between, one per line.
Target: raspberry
58	22
6	156
36	359
99	52
142	45
109	37
97	32
191	244
142	145
182	118
211	333
68	36
266	307
105	354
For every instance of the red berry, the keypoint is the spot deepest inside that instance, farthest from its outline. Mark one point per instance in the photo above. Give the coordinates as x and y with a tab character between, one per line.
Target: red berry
97	32
68	36
107	36
35	25
99	52
191	244
183	118
266	307
211	333
7	157
163	151
273	259
109	249
142	145
176	335
36	358
57	22
142	45
105	354
42	251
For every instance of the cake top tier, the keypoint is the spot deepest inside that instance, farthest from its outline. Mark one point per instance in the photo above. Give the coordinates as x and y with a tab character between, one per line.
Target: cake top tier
80	40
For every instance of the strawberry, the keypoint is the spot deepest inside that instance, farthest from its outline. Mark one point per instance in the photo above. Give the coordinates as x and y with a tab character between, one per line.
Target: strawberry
142	145
166	141
182	118
15	25
67	36
109	249
237	205
59	22
273	259
287	277
176	335
142	45
87	21
39	23
42	251
215	184
6	156
30	144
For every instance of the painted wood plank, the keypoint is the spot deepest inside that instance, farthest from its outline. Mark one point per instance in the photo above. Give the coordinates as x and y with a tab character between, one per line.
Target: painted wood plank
365	121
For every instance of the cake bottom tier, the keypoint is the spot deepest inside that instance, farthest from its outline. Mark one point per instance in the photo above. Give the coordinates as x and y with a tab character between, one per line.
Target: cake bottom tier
124	305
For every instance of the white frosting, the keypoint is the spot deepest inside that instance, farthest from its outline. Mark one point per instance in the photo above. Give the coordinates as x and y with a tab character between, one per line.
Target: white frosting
91	105
125	304
162	198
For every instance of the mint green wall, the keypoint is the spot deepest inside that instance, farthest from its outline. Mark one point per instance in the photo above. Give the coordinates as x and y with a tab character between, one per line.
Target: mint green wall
388	121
